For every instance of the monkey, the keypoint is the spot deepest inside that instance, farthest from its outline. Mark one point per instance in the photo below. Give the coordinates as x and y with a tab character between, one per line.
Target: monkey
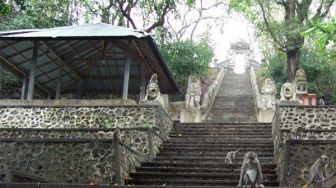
317	172
230	157
251	171
295	132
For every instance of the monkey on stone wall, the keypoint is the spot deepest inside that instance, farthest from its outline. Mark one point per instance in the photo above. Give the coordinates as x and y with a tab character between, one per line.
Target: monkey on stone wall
317	172
230	157
295	132
251	171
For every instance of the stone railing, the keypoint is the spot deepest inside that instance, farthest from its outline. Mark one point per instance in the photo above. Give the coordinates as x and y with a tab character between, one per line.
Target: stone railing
255	89
318	123
264	101
45	115
316	138
141	129
298	156
310	117
109	154
210	95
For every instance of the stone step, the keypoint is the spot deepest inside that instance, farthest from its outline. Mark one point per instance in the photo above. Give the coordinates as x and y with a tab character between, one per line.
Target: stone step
208	148
198	169
216	135
223	124
197	175
265	158
192	153
222	133
192	182
228	140
201	164
221	143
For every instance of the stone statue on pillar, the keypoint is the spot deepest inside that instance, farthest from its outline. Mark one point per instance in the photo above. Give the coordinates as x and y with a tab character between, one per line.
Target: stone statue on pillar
268	91
153	89
154	96
288	92
192	111
300	82
193	96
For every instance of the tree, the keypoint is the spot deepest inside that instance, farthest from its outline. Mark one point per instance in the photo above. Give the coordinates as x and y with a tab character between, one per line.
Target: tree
187	57
137	14
284	31
20	14
323	36
321	75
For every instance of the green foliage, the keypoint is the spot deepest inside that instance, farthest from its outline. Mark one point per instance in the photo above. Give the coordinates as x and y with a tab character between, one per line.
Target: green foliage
187	57
321	75
40	14
8	83
323	34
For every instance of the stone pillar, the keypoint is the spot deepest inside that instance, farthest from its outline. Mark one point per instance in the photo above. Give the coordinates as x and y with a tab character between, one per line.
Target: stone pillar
24	88
32	72
59	83
143	82
126	78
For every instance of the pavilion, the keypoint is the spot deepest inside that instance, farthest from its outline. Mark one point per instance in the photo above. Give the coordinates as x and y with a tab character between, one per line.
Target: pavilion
84	59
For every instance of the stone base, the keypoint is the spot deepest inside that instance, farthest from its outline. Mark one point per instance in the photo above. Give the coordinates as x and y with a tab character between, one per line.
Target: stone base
289	102
191	116
265	116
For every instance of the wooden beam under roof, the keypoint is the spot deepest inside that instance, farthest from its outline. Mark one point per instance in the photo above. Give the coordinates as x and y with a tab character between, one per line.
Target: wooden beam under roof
61	61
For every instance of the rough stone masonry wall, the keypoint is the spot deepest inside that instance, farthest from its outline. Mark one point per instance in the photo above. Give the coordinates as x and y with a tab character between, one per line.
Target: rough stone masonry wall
301	154
318	122
82	117
310	117
65	161
135	138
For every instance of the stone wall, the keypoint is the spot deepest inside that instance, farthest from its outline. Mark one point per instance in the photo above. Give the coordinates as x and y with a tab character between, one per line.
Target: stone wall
310	117
68	161
318	123
298	155
32	116
135	138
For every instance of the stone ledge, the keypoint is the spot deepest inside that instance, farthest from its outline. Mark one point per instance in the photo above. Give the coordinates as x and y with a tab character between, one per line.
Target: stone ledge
312	142
307	106
69	103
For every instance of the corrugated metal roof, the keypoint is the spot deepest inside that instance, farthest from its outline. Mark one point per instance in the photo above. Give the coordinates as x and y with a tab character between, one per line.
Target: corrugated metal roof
89	30
93	54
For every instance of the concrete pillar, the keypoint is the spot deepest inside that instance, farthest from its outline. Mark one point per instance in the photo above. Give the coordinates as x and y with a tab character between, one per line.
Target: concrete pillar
24	88
59	83
126	78
143	82
32	72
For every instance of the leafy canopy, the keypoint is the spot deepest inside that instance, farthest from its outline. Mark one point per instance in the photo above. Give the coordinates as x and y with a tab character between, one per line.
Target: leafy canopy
187	57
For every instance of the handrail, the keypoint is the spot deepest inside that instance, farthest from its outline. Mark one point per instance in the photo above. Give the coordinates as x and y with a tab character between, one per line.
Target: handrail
215	85
255	89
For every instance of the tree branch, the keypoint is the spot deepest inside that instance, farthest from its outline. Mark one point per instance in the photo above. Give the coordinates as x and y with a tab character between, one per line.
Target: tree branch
319	13
124	12
268	26
160	21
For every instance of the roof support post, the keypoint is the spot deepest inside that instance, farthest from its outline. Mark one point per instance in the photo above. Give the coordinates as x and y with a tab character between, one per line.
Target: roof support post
126	78
143	82
30	94
59	82
24	88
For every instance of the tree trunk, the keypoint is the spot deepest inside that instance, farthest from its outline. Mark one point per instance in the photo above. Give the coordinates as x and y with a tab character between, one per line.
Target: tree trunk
292	63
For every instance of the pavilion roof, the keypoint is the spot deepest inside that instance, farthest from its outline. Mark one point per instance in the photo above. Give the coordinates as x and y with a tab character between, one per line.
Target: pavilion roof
94	54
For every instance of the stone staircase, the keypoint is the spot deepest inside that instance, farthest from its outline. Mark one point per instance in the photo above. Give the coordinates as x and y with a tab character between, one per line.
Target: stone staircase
234	101
195	153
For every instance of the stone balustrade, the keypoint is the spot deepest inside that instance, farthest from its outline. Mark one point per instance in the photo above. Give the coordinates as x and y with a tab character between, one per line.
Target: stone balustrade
298	156
83	134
